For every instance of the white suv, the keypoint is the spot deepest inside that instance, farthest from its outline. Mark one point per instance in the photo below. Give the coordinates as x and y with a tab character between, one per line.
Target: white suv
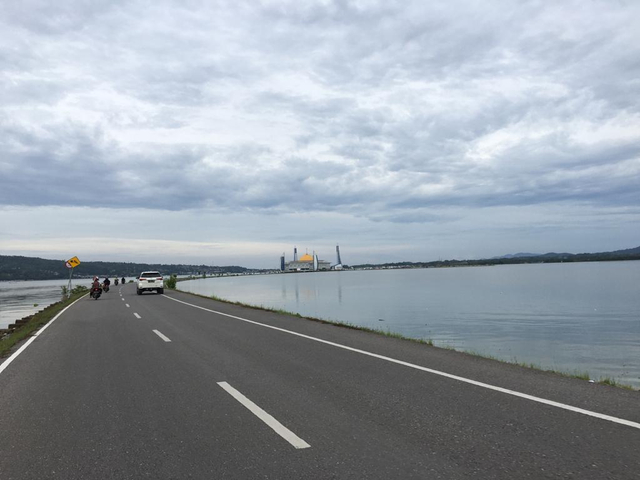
150	281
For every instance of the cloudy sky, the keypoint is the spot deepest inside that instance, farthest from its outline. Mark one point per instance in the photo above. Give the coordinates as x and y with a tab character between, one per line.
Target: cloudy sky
228	132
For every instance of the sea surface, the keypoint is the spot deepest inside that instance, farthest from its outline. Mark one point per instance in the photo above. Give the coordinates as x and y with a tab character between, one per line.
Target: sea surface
572	317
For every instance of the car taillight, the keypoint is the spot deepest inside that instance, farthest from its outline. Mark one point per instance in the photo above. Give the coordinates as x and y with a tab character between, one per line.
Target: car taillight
160	278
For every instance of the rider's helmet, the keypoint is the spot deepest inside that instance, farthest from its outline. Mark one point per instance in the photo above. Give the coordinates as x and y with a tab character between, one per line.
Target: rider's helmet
95	278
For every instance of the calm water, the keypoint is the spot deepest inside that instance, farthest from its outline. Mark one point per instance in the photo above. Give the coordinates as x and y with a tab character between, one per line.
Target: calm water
575	317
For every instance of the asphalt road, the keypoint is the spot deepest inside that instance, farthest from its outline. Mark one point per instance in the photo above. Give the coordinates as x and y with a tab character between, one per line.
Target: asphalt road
147	386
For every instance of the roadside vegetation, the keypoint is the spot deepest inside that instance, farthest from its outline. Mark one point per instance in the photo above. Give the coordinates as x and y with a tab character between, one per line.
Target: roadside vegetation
74	290
614	383
38	320
171	282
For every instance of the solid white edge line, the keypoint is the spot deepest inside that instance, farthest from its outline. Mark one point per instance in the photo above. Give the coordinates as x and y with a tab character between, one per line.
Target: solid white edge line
137	316
533	398
275	425
163	337
6	363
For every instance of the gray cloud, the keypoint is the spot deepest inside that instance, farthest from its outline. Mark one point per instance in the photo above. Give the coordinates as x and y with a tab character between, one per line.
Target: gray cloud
381	111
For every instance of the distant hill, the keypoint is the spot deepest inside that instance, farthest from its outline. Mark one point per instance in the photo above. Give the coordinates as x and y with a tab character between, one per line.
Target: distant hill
33	268
551	257
517	255
583	257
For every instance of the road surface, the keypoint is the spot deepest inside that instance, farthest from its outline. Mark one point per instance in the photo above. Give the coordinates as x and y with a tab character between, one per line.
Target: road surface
178	386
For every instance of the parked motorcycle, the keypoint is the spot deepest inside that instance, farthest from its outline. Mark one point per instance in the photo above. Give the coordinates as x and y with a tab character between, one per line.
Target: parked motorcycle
95	293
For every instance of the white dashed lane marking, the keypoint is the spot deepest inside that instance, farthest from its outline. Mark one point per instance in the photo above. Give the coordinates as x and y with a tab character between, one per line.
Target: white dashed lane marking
277	427
163	337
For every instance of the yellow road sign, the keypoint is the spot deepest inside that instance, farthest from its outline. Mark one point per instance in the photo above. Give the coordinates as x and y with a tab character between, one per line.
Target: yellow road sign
73	262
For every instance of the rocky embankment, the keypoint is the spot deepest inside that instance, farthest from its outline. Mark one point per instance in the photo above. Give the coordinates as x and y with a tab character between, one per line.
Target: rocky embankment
14	326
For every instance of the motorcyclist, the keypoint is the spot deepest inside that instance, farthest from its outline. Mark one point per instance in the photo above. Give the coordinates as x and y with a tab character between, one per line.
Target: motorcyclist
106	284
123	282
115	282
95	286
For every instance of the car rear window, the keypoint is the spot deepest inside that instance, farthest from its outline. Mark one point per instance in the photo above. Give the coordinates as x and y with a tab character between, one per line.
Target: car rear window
150	274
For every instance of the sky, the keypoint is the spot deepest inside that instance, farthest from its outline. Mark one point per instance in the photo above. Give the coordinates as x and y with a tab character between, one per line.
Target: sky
226	133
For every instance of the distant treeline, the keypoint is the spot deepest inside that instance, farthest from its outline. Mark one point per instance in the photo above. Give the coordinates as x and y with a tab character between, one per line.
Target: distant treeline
629	254
31	268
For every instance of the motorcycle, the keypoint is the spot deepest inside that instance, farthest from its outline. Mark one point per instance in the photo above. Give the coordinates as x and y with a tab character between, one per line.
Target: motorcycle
95	293
116	282
105	287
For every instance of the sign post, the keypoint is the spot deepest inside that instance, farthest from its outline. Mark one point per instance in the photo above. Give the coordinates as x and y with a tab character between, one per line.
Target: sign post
71	264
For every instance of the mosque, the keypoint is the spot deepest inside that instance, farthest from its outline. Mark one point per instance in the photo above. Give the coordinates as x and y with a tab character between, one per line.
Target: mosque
306	263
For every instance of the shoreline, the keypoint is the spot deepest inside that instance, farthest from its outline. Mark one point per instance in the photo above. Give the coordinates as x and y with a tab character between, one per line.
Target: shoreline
606	380
26	326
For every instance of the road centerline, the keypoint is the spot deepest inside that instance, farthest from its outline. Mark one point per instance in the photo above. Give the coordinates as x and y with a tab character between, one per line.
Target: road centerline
274	424
162	336
488	386
136	315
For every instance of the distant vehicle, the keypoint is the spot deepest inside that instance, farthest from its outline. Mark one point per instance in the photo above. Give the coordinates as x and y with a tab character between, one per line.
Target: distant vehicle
95	293
150	281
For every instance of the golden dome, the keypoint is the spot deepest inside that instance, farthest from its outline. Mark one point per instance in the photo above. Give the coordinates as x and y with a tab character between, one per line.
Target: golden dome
306	258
